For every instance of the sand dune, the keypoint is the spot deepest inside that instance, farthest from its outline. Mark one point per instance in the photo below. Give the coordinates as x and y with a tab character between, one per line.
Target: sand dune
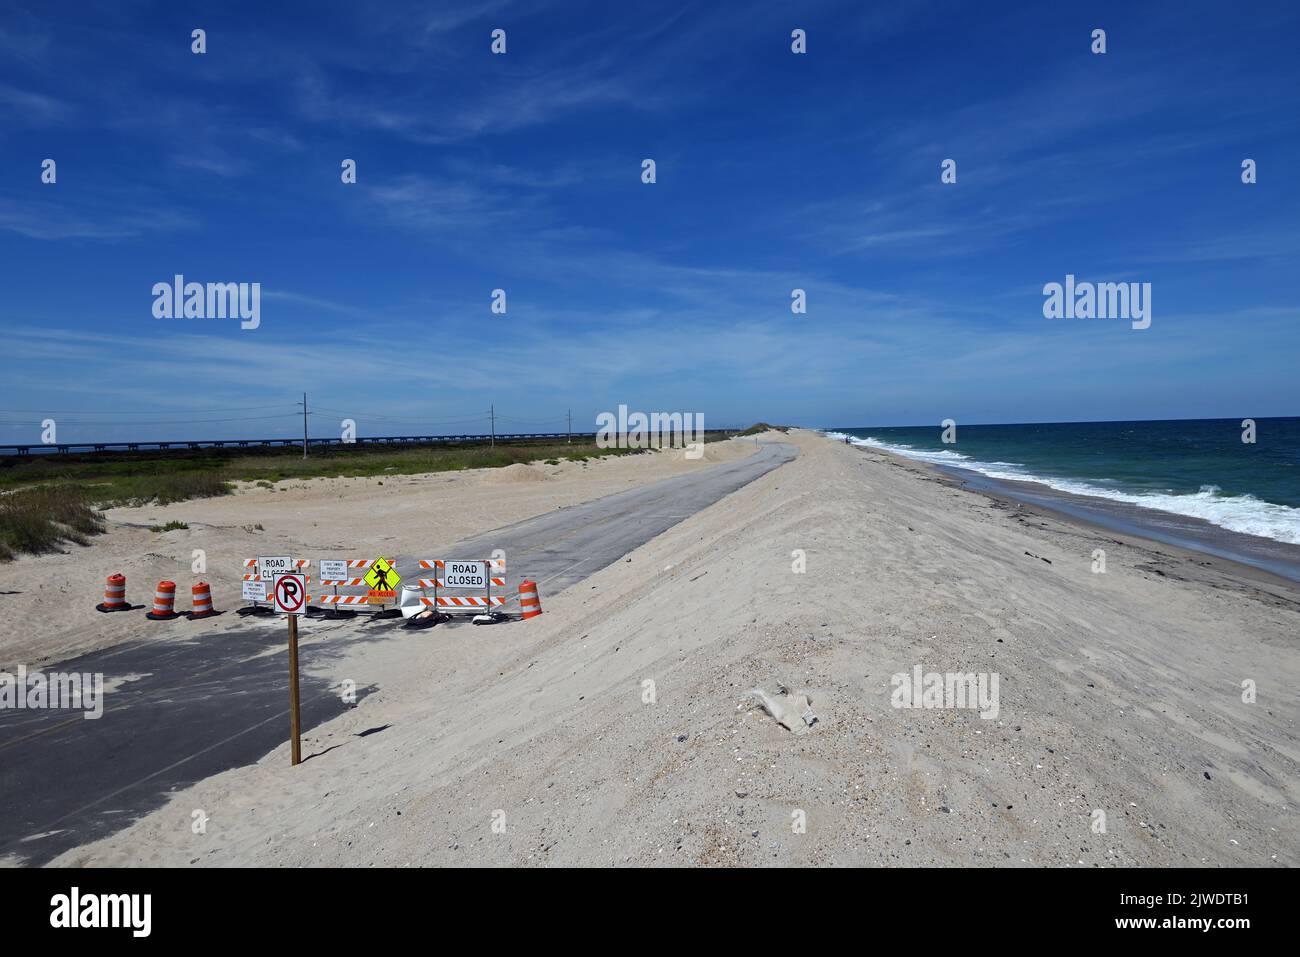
542	742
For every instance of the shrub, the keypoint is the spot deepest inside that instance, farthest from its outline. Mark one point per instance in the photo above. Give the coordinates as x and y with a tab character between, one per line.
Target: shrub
38	519
169	527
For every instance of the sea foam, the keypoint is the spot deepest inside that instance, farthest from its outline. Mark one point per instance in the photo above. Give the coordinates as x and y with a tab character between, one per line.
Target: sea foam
1237	513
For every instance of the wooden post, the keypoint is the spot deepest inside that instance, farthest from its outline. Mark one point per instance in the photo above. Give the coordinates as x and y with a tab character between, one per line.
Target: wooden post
295	725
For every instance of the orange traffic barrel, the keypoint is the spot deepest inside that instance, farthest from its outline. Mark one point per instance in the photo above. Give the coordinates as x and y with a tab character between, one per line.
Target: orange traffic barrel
201	599
164	602
529	602
114	595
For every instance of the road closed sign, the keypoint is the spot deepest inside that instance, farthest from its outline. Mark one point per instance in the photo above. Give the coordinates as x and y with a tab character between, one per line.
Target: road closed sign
465	574
290	594
269	568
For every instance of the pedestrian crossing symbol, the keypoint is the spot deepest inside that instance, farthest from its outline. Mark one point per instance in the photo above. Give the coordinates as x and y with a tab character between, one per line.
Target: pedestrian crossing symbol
382	576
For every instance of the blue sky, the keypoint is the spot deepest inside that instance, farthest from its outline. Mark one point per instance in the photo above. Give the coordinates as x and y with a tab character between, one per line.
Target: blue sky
523	172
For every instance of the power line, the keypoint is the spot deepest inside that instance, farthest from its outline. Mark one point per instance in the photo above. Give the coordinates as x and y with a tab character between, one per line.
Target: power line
511	418
405	418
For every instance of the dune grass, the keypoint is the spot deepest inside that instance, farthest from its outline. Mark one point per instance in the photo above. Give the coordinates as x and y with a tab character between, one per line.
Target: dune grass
40	519
171	526
759	427
110	479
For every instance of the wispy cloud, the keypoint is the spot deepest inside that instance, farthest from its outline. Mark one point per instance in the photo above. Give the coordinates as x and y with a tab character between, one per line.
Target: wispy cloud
214	161
56	220
31	108
311	302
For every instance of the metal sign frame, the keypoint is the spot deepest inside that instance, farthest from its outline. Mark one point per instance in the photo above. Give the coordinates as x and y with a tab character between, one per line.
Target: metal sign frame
438	566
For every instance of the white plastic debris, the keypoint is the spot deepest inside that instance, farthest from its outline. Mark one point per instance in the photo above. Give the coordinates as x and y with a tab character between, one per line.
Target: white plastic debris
792	711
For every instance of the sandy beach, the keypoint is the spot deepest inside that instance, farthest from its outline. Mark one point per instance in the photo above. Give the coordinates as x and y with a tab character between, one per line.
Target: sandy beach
615	730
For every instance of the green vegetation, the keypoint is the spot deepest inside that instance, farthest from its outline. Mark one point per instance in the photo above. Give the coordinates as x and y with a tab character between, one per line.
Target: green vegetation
110	479
758	427
39	519
169	527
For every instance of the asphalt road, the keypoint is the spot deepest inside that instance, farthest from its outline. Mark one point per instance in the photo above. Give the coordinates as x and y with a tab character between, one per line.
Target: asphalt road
185	710
565	546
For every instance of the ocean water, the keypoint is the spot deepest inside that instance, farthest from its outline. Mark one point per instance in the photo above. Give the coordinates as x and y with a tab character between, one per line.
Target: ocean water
1196	468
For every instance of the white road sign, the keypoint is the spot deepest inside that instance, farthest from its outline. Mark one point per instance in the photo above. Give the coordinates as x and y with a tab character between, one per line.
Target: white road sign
333	570
268	568
290	593
254	591
465	574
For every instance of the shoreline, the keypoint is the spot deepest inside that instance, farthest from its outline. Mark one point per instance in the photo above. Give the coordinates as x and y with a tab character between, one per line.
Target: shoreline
1276	560
1095	514
1196	565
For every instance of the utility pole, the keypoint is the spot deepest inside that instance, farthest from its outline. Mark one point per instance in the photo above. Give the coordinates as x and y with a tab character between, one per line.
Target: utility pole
570	427
303	403
492	411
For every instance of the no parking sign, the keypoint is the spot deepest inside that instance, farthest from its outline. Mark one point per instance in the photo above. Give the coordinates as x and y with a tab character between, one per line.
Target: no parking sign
290	594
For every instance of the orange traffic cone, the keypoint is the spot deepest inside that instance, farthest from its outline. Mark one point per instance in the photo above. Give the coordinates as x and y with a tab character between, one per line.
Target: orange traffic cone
114	595
201	599
529	602
164	602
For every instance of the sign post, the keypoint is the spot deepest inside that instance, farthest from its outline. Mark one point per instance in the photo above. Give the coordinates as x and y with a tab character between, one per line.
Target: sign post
295	719
291	598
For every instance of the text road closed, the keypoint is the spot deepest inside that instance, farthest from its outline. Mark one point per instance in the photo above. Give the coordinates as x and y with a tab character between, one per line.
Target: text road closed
466	575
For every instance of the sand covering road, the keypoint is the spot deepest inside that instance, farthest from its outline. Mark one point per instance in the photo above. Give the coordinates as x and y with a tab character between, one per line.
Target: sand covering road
1119	692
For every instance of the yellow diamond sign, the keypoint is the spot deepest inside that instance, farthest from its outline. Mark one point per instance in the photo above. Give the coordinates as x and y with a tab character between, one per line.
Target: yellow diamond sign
382	576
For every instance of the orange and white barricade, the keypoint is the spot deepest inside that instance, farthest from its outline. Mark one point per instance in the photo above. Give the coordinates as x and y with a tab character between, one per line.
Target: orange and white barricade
114	594
257	583
201	601
530	603
477	574
164	602
336	573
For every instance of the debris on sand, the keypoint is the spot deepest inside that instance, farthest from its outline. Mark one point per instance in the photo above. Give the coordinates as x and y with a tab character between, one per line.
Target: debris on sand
792	711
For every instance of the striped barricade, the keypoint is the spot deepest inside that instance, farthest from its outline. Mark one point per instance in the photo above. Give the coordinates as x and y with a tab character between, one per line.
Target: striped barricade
257	586
477	574
339	573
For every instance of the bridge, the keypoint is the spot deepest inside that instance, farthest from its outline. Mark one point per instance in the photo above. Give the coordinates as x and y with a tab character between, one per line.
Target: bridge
173	444
80	447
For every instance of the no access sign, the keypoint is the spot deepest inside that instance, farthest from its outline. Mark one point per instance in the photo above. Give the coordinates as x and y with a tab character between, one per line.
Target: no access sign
290	594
